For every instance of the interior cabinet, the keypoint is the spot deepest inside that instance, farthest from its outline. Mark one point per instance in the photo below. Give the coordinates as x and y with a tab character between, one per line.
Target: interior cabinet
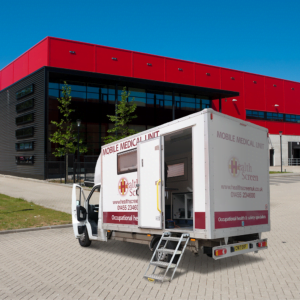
182	206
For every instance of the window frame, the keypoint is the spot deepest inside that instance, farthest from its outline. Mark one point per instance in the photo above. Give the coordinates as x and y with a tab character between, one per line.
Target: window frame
24	136
24	142
25	122
25	93
27	108
122	153
183	160
24	164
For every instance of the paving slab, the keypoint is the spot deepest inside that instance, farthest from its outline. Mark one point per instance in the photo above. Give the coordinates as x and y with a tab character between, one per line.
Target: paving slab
50	264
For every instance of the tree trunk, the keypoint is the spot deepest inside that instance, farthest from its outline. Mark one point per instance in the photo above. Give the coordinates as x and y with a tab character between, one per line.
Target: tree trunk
67	173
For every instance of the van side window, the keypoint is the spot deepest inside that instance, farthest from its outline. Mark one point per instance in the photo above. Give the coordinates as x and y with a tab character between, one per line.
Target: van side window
127	162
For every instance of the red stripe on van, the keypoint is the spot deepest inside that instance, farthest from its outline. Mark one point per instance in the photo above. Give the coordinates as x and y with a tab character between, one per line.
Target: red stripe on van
130	218
199	220
229	219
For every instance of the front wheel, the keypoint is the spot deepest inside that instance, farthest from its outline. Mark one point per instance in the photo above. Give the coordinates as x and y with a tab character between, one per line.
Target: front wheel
84	240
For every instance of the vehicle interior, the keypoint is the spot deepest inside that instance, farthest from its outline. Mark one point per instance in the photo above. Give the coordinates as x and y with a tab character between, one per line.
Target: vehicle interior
179	180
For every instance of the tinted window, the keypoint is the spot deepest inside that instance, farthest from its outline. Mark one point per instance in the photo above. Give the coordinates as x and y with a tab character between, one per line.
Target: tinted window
24	146
252	114
24	132
24	160
24	92
24	105
24	119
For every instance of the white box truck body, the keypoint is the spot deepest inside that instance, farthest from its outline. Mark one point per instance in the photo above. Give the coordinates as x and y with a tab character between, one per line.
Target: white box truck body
206	174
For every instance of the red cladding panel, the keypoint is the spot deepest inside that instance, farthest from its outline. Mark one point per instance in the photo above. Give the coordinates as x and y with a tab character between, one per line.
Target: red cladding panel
215	104
0	80
207	76
292	97
7	76
274	95
254	92
259	123
38	56
82	59
291	128
181	72
148	67
113	61
275	127
21	67
233	81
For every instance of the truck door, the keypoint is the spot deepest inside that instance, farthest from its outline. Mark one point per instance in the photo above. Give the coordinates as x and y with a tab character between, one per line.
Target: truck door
79	210
150	183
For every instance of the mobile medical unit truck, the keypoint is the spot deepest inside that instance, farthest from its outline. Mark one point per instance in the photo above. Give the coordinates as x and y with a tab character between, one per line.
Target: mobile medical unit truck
200	182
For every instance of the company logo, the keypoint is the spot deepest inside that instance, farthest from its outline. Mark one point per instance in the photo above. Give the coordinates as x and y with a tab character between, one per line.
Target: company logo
245	169
123	186
234	167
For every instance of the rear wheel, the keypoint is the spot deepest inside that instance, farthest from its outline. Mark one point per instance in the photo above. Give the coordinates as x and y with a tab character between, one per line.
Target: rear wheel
84	240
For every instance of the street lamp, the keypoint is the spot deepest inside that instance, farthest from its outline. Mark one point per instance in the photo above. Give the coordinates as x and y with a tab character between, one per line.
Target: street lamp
280	133
78	121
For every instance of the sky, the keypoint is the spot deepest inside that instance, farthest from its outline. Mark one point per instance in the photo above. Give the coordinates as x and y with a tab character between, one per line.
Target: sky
261	37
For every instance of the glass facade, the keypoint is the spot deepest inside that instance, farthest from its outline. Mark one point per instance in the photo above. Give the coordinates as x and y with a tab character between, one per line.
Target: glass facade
92	103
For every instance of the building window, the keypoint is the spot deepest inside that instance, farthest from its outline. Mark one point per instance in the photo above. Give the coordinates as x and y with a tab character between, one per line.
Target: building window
256	115
24	132
292	118
24	92
274	117
24	146
25	119
25	105
24	160
127	162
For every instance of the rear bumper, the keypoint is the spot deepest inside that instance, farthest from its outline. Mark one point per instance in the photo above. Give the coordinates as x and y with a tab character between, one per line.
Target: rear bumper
238	248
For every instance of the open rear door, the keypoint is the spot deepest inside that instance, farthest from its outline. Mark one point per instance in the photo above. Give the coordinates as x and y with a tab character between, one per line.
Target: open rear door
149	176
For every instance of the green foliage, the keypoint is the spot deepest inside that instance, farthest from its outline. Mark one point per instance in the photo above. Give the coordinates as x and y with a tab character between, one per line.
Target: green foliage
121	120
65	135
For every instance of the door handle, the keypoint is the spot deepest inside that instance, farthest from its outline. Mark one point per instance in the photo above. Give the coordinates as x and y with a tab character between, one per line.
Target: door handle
138	187
158	195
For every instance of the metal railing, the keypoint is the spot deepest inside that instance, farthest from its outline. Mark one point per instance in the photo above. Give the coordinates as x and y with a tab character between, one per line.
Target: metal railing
294	162
77	172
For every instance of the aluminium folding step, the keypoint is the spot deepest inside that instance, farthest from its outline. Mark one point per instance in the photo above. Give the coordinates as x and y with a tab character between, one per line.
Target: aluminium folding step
167	236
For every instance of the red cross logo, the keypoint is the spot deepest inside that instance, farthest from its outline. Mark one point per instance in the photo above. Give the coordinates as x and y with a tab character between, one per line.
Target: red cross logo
123	186
233	166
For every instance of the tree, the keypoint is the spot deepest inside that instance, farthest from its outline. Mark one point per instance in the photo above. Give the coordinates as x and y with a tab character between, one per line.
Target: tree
65	135
121	119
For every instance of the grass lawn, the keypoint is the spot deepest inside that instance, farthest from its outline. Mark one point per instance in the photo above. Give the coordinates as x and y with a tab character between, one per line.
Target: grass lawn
277	172
17	213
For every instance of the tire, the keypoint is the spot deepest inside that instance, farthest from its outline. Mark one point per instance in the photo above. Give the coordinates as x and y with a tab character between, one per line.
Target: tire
84	240
165	257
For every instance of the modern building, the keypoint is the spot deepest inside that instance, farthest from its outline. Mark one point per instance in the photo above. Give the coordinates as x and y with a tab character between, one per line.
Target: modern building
164	89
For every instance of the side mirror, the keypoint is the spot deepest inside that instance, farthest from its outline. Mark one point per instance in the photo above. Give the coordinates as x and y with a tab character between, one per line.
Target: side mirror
81	213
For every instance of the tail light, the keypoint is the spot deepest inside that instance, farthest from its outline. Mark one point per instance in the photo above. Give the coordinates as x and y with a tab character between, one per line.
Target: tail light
220	252
262	244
